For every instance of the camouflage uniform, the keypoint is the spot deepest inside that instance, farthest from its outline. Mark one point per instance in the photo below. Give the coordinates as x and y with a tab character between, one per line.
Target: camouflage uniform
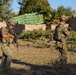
62	33
7	52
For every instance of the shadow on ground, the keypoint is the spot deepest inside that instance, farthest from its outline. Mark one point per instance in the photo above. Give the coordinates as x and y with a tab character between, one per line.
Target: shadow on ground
50	69
68	69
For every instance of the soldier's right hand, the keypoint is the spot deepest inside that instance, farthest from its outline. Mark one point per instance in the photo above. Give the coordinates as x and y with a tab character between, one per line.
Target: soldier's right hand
11	36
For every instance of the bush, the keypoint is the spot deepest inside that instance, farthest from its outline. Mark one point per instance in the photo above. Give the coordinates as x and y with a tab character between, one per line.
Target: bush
71	41
35	34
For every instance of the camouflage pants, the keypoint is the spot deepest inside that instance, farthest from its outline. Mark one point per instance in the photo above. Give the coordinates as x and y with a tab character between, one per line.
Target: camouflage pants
6	57
61	46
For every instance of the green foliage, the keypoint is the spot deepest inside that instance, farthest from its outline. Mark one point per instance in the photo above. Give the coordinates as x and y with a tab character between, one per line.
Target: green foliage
35	34
13	14
68	11
64	11
61	10
5	9
72	46
43	7
73	34
41	46
54	15
71	41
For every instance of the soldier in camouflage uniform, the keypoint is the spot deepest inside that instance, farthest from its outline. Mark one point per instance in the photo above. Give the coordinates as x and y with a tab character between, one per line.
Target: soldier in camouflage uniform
61	34
5	47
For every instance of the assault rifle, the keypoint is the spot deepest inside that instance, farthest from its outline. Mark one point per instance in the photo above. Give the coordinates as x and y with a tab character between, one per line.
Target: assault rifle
15	39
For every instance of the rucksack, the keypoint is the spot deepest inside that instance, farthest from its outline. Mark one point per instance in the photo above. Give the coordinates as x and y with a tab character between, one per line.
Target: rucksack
1	34
56	35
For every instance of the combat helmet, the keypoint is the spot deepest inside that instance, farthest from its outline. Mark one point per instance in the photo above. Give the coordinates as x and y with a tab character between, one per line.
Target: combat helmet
63	18
10	23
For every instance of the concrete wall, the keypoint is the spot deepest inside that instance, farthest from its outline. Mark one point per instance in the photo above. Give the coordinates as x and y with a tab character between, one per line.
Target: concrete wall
51	27
32	27
20	27
2	24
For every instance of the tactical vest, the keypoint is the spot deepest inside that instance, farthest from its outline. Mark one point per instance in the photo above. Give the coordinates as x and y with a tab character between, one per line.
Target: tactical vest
58	34
4	40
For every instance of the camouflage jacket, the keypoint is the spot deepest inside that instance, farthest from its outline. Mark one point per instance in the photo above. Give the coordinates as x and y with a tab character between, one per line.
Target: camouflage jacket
6	31
61	32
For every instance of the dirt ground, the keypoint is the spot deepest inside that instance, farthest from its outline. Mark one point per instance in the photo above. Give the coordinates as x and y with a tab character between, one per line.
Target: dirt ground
29	60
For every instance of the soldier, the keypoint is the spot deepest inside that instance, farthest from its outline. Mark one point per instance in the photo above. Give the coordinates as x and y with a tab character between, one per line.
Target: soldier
60	36
5	46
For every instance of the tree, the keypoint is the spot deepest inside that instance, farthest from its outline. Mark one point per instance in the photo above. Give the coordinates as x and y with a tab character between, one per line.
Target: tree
65	11
5	9
60	11
54	15
32	6
13	14
68	11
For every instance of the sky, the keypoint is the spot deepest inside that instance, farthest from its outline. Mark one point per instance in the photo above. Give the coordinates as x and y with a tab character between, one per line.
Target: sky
53	3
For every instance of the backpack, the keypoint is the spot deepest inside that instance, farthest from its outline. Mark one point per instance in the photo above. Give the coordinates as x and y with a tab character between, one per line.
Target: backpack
56	35
0	34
